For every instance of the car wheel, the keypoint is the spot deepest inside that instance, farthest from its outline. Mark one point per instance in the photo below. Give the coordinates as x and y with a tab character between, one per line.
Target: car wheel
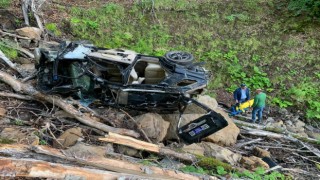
179	57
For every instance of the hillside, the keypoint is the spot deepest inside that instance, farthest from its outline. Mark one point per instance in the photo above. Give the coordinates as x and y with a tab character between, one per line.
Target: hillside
264	44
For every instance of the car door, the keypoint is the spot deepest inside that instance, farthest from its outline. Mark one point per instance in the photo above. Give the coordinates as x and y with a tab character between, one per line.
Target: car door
202	123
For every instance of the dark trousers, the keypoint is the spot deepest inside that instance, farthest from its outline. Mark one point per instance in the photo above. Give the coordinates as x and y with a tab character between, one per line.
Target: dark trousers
256	110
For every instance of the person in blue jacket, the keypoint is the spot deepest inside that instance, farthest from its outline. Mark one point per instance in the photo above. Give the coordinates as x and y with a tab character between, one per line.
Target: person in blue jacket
241	94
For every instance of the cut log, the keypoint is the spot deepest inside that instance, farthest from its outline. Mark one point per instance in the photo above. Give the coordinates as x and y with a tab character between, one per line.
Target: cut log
81	117
131	142
14	168
98	162
141	145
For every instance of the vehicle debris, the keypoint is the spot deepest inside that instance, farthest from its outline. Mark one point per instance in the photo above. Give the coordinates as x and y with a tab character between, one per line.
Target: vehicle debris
124	78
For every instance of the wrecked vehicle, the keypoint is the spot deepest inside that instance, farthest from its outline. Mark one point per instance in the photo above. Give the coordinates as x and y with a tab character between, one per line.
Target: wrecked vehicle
124	78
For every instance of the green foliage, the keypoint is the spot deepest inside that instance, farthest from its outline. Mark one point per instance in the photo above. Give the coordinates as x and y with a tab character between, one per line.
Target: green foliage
212	163
307	94
193	169
308	7
53	28
43	142
4	3
9	52
258	174
18	122
281	103
221	171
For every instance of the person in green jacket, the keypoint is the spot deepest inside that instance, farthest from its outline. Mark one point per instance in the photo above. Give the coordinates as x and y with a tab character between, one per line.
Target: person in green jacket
258	105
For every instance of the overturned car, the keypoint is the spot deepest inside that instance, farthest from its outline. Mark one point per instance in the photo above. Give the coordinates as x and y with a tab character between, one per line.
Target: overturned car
124	78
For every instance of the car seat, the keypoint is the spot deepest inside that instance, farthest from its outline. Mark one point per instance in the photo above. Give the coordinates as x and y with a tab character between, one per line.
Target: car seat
154	74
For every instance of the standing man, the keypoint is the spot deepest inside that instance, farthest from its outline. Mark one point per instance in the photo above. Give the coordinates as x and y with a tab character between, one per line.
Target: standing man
241	94
258	105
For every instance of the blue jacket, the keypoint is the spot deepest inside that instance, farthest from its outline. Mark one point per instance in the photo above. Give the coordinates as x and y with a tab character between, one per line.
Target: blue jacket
237	94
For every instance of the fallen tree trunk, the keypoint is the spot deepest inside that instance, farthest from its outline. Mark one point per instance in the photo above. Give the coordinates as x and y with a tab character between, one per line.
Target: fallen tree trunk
81	117
141	145
98	162
12	168
256	132
263	128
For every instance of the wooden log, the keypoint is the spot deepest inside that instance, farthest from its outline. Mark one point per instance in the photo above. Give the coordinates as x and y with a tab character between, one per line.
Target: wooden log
263	128
17	96
83	118
14	168
257	132
141	145
93	161
131	142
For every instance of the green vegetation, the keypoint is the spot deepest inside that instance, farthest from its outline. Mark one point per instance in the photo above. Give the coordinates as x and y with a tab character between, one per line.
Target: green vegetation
256	42
18	122
309	7
211	163
53	28
4	3
9	52
258	174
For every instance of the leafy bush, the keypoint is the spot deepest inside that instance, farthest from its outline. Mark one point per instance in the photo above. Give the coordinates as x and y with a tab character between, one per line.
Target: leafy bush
307	94
308	7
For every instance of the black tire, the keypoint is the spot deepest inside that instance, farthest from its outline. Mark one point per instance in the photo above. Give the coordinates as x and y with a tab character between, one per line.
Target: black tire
179	57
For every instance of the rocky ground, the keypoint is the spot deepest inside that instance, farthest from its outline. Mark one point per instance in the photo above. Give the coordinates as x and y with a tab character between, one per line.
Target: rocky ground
37	133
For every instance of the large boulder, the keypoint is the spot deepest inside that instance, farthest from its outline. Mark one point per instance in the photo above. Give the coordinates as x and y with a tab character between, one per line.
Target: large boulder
30	32
193	149
276	126
153	125
173	119
81	149
312	132
208	101
68	138
297	127
226	136
221	153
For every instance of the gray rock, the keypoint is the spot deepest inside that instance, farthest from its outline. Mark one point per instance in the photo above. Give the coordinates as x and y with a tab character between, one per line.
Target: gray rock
128	151
170	163
226	136
68	138
30	32
83	150
208	101
221	153
153	125
193	149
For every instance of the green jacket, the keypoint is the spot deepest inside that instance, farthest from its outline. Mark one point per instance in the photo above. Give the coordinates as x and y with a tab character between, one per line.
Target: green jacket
259	100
